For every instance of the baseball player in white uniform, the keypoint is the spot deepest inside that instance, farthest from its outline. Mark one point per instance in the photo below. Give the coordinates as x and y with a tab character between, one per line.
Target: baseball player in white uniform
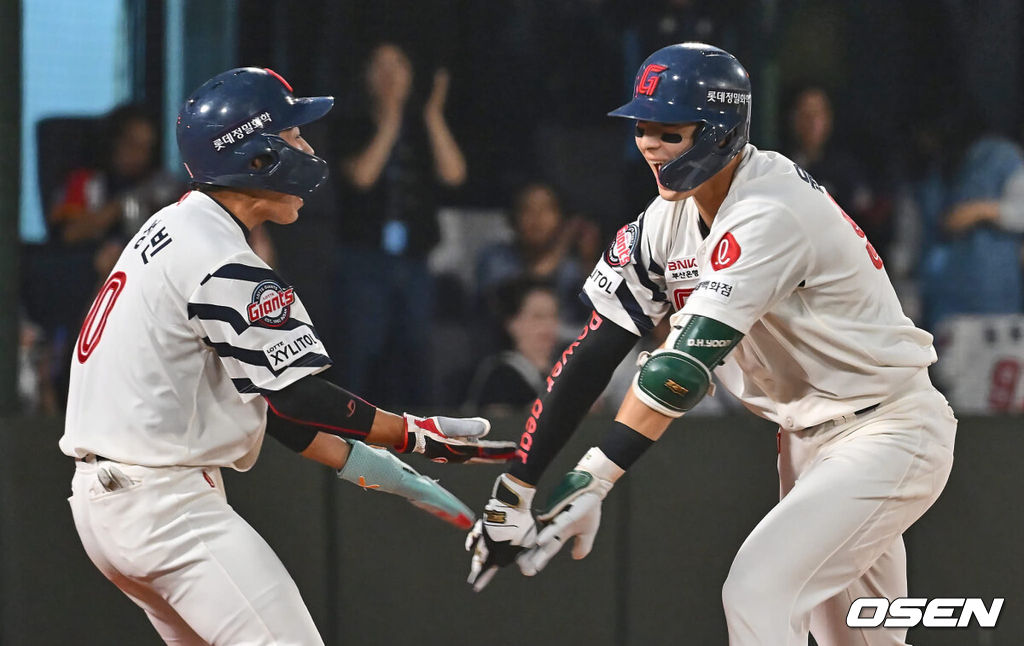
191	340
775	290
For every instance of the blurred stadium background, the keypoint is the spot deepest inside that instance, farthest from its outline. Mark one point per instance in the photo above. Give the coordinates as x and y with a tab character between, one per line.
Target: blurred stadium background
909	111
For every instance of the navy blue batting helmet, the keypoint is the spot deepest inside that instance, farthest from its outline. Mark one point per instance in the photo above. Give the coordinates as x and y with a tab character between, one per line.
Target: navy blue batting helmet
233	119
694	83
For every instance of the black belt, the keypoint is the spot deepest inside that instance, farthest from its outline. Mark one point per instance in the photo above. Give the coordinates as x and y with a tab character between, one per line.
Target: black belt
862	411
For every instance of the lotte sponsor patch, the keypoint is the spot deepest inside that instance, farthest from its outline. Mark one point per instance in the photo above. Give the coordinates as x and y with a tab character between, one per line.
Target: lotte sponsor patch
270	304
726	252
297	343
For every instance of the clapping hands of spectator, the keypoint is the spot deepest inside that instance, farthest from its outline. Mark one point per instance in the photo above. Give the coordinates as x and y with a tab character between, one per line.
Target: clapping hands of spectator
434	108
967	215
390	80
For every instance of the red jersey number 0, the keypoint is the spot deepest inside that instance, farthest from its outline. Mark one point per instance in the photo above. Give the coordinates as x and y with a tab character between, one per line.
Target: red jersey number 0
96	319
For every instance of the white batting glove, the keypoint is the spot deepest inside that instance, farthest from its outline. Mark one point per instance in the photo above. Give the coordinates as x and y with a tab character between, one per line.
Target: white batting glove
454	439
574	510
505	531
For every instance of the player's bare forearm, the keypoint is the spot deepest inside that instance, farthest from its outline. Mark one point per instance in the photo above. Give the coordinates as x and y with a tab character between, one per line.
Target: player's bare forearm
388	429
328	449
642	418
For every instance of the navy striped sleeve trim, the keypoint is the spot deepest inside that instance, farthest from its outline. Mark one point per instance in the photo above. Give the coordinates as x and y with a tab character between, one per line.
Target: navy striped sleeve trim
655	268
257	358
251	357
586	300
632	307
656	292
314	360
230	315
641	272
238	271
246	386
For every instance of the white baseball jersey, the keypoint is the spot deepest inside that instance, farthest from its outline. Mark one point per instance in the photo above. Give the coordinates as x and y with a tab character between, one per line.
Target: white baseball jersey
825	335
189	329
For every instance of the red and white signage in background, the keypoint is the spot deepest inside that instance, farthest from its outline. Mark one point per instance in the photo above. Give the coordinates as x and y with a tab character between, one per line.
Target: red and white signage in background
726	252
981	362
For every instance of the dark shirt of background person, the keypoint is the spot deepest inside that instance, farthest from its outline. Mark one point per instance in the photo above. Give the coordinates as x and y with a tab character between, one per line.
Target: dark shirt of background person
813	147
97	208
510	380
547	246
396	160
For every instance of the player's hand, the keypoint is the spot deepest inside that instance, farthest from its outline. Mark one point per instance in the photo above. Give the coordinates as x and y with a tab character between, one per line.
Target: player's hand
376	469
454	439
505	531
573	511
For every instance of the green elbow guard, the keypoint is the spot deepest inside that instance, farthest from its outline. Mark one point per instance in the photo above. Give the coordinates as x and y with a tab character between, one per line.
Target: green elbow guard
671	382
673	379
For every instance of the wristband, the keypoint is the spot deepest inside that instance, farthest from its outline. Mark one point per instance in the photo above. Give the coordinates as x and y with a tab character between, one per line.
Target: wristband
624	446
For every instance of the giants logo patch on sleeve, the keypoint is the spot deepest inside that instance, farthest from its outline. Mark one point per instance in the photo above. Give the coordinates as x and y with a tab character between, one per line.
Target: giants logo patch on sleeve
297	343
624	246
726	252
270	304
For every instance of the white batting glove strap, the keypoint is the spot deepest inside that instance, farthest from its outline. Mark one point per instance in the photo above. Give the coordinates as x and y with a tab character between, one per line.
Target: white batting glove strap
505	531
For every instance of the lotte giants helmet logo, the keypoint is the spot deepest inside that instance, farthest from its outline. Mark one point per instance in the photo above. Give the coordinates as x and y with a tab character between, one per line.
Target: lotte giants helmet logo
271	304
621	252
726	252
649	79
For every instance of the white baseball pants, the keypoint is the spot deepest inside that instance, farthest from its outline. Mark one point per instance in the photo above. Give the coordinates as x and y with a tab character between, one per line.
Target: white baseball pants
171	542
849	489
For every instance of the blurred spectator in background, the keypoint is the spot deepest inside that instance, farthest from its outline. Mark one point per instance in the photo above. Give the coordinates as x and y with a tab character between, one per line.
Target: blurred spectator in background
96	210
100	207
969	197
811	122
397	158
546	247
509	381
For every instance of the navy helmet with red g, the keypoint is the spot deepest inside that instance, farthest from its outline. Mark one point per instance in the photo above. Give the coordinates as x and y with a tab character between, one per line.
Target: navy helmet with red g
694	83
233	119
